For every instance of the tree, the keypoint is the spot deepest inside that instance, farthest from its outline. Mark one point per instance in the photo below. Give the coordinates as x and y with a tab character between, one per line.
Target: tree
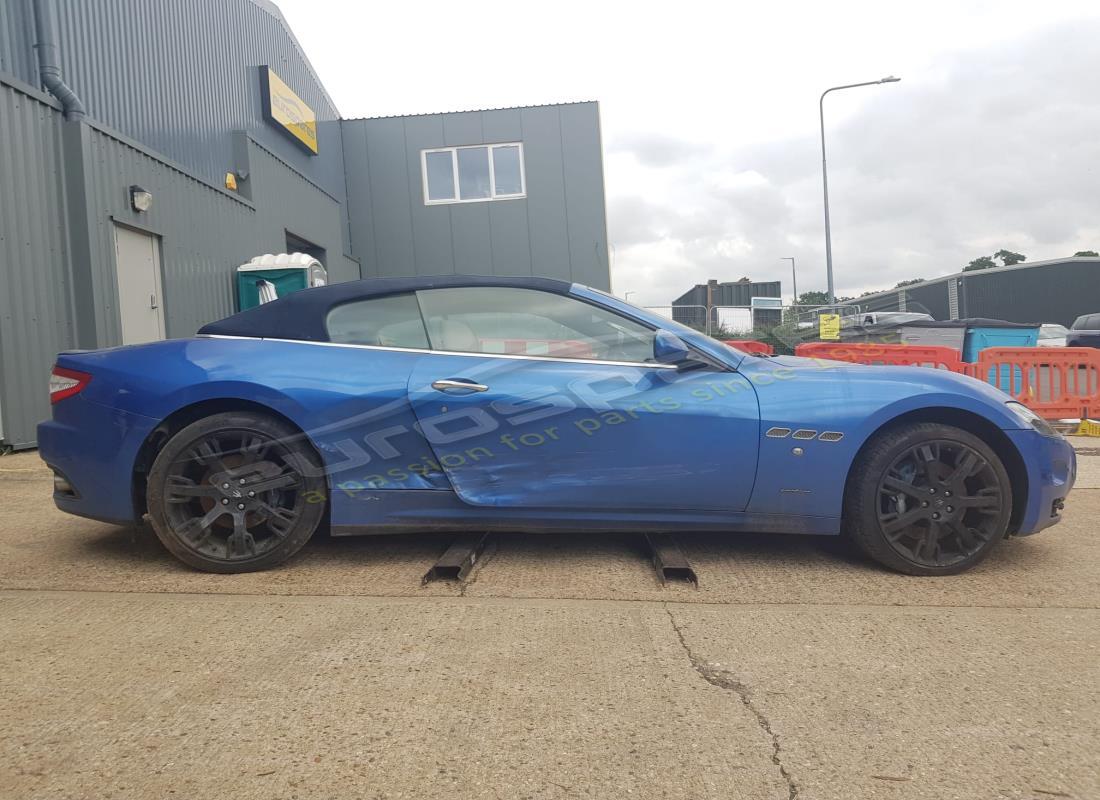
984	262
1086	254
1009	258
902	284
812	299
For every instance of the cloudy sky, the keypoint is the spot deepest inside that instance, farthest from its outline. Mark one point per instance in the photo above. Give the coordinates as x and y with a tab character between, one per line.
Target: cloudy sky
709	113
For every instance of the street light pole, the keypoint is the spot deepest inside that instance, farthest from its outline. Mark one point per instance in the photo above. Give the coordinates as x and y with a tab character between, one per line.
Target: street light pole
825	174
794	280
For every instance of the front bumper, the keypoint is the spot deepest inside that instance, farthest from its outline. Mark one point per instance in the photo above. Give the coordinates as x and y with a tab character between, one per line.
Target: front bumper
94	448
1051	466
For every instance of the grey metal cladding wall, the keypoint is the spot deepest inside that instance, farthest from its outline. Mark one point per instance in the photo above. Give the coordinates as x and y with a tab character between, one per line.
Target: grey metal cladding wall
559	230
1053	293
288	202
729	294
16	33
35	313
886	302
180	75
585	206
741	294
204	234
930	299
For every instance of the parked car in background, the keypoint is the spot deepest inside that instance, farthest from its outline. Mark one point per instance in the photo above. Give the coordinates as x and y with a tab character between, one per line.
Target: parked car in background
1051	334
890	318
1085	331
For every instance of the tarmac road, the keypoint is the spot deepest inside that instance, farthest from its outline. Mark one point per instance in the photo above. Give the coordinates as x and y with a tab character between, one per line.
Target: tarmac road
561	669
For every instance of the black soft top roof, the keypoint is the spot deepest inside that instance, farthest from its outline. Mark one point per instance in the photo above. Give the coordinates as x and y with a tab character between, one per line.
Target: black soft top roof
301	315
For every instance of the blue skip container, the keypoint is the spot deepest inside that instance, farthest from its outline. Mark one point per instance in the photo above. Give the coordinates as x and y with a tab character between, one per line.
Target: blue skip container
983	333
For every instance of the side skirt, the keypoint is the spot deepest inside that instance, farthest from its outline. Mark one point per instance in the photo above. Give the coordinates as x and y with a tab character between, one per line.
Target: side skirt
423	510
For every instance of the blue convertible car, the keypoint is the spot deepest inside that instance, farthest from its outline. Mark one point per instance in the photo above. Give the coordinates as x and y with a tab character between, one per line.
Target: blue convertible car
527	404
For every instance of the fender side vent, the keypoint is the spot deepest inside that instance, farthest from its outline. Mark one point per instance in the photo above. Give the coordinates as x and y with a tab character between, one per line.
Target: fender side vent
778	433
804	433
831	436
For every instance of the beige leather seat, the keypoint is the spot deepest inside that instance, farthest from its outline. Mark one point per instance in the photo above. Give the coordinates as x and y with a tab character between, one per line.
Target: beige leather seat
458	336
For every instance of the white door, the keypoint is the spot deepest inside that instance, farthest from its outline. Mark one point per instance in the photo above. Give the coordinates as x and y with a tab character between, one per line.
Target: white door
137	261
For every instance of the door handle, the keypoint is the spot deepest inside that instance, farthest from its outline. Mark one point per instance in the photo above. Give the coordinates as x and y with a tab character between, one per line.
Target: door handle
447	384
152	301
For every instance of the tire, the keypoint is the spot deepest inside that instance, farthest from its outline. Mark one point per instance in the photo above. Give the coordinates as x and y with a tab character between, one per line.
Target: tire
928	499
236	492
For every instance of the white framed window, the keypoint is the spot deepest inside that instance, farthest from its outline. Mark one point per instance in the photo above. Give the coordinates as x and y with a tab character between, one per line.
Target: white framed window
473	173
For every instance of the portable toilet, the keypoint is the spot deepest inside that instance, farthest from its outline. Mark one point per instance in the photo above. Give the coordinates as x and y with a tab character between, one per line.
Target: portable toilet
269	276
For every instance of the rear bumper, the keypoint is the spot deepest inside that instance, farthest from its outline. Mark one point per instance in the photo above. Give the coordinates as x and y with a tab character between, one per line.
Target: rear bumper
1051	471
94	447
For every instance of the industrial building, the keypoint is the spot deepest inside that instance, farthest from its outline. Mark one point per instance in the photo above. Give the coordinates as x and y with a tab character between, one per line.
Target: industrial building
1058	290
695	306
150	148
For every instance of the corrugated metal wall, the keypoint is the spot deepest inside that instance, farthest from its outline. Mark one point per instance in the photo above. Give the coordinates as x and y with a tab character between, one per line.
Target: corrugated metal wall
16	30
1055	293
179	75
929	298
559	230
205	232
729	293
291	203
35	301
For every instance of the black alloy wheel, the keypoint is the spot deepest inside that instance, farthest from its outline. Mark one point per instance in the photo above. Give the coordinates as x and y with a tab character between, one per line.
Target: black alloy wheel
236	492
929	499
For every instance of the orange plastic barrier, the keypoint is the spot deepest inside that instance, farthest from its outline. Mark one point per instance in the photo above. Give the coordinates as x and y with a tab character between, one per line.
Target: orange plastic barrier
1054	382
750	346
894	354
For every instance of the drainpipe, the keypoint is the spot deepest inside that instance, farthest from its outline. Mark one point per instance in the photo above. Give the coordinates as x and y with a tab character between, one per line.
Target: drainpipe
49	60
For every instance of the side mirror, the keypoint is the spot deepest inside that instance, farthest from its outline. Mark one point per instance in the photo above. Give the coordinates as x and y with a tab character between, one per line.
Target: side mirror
668	348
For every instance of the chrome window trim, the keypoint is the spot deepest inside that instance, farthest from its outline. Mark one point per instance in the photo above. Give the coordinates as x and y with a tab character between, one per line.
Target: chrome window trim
509	356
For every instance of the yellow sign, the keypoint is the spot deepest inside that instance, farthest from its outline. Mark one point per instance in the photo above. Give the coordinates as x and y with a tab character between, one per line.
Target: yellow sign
287	110
829	327
1087	427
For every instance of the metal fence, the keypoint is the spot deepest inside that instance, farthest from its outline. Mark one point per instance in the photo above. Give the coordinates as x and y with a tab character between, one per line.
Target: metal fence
743	322
786	327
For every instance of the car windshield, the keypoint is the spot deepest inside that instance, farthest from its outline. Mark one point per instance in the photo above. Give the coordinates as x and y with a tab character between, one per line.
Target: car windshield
1087	322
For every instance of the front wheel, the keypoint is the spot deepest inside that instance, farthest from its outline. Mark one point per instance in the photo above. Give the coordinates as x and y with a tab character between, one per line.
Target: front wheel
928	499
236	492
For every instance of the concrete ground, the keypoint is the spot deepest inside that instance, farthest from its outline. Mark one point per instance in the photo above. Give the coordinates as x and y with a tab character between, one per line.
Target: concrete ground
562	669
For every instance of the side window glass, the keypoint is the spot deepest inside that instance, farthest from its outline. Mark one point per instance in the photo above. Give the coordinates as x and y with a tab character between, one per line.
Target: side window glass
502	320
392	321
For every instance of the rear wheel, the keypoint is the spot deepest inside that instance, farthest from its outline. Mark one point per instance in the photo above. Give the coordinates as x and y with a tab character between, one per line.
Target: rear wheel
928	499
236	492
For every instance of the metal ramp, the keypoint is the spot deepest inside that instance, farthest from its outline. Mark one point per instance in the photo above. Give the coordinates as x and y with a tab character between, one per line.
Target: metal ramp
457	560
669	560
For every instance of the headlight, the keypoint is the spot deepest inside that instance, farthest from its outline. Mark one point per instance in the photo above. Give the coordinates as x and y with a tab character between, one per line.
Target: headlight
1032	419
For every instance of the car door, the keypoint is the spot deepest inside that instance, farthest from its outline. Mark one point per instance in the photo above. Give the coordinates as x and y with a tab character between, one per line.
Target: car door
532	399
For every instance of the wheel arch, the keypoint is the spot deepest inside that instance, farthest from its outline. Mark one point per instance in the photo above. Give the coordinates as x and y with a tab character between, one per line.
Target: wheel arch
972	423
184	416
